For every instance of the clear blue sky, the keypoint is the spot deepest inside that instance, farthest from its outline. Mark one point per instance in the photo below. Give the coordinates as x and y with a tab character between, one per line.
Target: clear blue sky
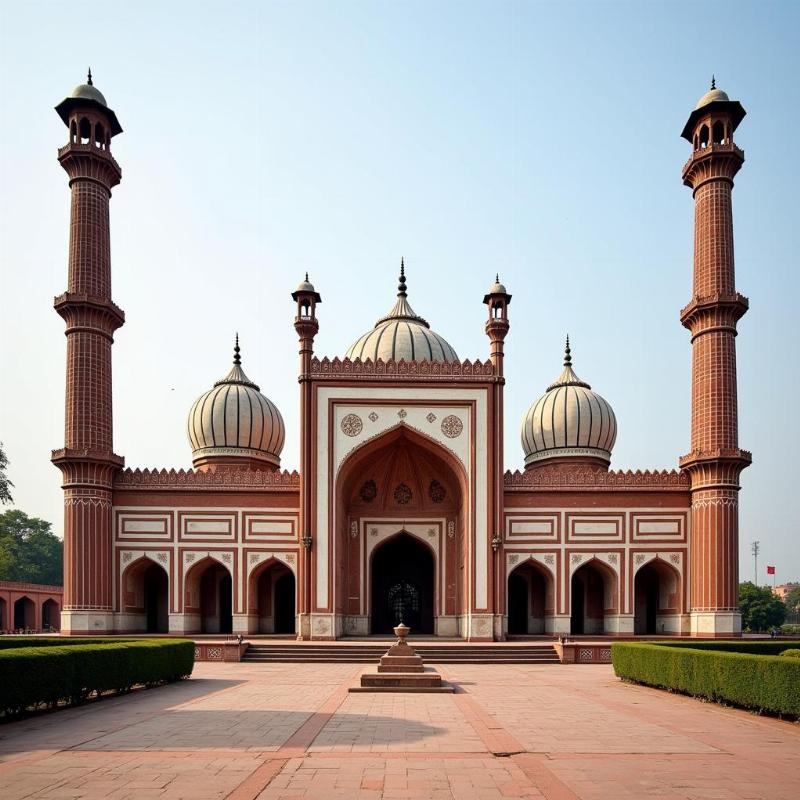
537	140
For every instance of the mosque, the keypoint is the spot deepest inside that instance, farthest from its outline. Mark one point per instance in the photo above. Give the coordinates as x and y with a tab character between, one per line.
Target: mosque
402	506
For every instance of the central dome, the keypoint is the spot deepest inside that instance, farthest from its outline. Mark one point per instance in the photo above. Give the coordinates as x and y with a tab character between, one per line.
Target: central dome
401	334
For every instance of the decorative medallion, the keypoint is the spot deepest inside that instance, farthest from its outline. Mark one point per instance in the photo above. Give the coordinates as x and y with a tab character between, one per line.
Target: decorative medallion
451	530
612	558
351	425
373	416
402	494
402	413
452	426
162	557
431	533
369	491
431	417
548	559
373	531
190	557
640	557
513	558
576	559
290	558
226	557
126	557
255	558
675	558
437	492
354	529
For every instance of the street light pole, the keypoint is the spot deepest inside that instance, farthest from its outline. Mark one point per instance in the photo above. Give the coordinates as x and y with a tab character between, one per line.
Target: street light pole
754	548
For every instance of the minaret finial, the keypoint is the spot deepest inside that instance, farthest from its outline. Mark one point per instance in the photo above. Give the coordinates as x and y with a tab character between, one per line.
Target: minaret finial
713	81
497	277
306	277
567	354
401	287
237	359
89	77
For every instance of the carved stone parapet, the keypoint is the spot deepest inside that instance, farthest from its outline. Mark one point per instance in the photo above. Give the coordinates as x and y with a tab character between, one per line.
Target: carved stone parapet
714	312
718	468
88	162
597	480
221	479
715	162
337	368
86	312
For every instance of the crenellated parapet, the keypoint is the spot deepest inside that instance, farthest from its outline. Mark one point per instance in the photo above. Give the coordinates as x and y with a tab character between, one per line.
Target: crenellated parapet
597	480
336	368
212	480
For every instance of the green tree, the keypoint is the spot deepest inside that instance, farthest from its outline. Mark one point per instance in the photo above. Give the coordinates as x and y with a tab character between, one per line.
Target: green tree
5	483
760	608
29	550
793	601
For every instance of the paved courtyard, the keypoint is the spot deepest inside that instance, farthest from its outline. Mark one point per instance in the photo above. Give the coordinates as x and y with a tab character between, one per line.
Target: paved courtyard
293	731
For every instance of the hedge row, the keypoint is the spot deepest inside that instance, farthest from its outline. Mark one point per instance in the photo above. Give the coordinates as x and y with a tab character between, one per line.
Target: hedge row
761	682
756	647
15	642
36	676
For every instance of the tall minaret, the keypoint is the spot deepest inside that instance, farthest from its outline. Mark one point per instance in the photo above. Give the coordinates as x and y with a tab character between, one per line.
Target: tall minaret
715	461
87	460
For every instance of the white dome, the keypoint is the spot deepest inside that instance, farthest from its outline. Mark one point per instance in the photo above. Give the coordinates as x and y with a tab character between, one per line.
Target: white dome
569	420
234	420
401	334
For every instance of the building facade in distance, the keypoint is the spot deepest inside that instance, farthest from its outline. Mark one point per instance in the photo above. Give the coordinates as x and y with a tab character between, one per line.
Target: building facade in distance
402	506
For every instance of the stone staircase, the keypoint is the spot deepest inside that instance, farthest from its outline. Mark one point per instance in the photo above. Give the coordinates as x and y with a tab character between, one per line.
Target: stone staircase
370	653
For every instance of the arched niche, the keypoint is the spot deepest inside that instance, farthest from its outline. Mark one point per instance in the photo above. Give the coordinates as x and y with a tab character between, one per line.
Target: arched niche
594	597
657	598
272	597
144	594
531	598
208	596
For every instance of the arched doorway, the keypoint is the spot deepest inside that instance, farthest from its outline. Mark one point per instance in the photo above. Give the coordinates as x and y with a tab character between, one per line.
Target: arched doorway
656	599
3	614
593	598
145	596
24	614
272	598
403	481
402	575
530	599
209	597
51	617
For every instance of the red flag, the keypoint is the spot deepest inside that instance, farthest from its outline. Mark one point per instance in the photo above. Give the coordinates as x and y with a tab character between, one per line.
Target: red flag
770	570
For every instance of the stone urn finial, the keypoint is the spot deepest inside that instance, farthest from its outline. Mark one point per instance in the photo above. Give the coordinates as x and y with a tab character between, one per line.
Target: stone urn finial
401	631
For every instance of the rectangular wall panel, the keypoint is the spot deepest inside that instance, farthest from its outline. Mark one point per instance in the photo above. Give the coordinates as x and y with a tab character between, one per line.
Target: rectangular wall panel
198	527
595	527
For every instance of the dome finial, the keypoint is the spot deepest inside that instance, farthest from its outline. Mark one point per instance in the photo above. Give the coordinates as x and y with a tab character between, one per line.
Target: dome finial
306	276
89	77
401	287
237	359
713	81
567	354
497	277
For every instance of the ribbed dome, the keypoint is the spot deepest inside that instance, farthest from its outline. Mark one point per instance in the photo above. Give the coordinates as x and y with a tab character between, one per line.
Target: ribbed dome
402	334
234	420
568	420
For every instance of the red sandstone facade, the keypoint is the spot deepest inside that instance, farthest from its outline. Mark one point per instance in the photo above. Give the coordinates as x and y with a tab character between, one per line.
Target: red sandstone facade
402	506
26	607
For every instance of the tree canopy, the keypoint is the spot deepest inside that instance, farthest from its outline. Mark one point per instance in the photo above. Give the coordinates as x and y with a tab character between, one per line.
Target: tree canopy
29	550
760	608
5	483
793	601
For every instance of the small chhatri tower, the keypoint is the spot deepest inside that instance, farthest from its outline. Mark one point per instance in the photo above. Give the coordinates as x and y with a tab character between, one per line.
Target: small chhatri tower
87	460
715	461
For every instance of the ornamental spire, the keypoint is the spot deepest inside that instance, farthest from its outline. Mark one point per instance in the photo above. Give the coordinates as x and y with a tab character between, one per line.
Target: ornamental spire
713	81
567	354
89	77
236	350
401	287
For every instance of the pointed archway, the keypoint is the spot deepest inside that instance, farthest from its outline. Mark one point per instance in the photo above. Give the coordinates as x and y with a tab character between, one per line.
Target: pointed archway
24	614
402	573
593	598
272	591
145	596
209	597
402	481
530	598
656	598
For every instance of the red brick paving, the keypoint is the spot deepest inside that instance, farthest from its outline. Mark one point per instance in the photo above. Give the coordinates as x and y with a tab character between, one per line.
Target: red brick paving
278	731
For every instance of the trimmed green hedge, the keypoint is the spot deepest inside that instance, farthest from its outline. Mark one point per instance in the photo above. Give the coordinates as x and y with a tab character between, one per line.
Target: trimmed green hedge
15	642
793	653
35	676
756	647
763	682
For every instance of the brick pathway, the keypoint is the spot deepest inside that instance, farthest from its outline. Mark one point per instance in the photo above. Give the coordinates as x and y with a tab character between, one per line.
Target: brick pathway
293	731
